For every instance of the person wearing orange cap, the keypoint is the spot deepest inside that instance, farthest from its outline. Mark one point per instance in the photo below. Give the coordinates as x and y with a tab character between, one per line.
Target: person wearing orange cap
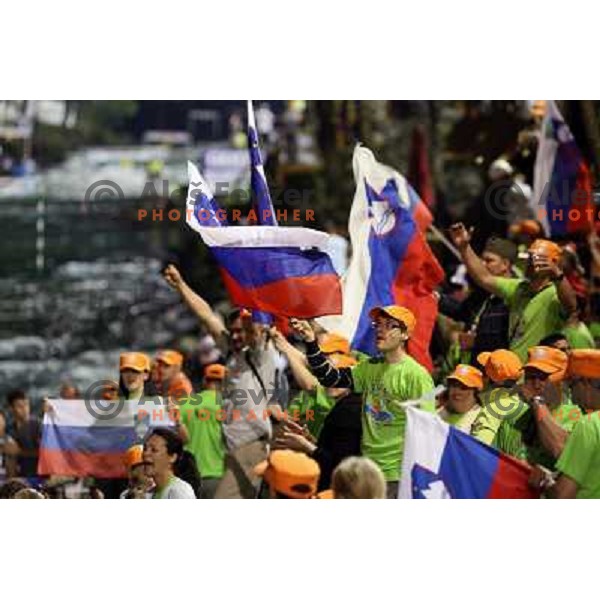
462	404
139	483
541	423
579	461
202	417
539	304
254	381
500	399
289	474
174	383
385	384
134	370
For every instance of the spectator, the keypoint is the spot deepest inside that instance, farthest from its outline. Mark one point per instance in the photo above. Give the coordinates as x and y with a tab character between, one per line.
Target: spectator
462	403
386	384
538	305
358	478
7	463
486	315
12	487
134	370
69	391
26	434
201	416
501	399
579	461
253	383
163	451
340	434
173	381
289	474
139	484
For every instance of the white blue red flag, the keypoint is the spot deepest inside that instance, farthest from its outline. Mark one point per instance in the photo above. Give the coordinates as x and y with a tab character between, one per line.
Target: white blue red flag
202	210
441	462
80	440
391	260
562	184
284	271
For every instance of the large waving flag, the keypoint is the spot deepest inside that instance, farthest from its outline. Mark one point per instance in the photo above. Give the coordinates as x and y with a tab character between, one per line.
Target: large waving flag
441	462
284	271
79	440
562	183
391	260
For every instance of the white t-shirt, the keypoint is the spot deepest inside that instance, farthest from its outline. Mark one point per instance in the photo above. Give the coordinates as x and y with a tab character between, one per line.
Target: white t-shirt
176	489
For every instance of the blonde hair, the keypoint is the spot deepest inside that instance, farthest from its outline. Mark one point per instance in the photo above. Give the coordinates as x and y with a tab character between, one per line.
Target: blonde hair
358	477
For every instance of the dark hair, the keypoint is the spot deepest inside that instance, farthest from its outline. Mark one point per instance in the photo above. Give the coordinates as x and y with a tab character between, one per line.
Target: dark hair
11	487
185	466
551	339
15	395
232	316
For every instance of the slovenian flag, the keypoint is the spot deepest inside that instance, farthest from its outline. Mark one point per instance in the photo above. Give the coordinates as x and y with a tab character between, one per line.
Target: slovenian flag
391	260
441	462
89	439
562	183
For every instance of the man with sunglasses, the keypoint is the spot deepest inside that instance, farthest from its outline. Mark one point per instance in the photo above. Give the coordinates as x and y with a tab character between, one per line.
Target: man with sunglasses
386	383
579	461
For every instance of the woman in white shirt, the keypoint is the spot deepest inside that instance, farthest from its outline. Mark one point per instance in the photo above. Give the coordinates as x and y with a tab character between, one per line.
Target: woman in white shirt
163	457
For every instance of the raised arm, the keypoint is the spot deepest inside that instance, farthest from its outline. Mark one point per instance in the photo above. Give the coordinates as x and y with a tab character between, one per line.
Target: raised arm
475	266
304	378
326	374
198	305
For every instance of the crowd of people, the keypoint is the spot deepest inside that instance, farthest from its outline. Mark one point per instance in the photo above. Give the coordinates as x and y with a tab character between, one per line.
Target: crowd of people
290	411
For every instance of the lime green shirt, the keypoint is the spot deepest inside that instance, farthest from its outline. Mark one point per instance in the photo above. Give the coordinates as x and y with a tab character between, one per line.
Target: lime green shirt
580	459
498	404
384	387
579	336
532	316
202	415
318	402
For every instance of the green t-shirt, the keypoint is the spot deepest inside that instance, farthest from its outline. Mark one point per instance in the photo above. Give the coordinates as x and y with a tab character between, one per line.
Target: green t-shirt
318	402
498	404
580	459
384	387
517	435
532	316
203	415
579	336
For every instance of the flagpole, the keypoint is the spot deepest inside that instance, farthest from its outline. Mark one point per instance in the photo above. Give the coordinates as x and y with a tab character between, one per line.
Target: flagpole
445	241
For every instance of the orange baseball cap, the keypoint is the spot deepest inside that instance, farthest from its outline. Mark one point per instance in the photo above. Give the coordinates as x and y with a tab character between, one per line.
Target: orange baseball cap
500	365
332	342
399	313
170	357
548	360
215	371
138	361
290	473
134	456
546	248
584	363
468	375
527	226
342	361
